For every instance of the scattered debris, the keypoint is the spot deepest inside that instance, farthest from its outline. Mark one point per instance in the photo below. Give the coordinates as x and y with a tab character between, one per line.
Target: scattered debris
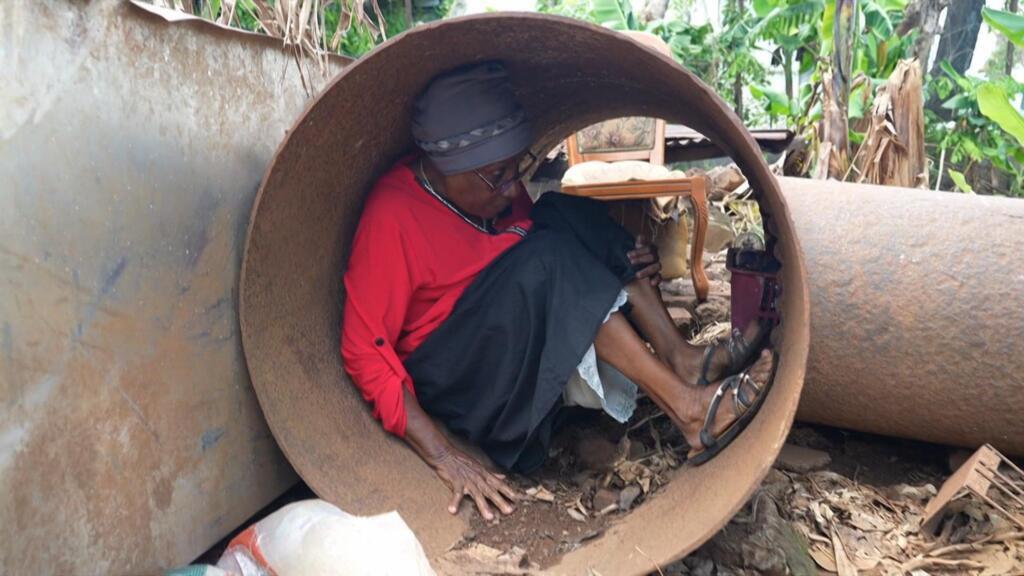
478	559
541	493
845	526
988	476
800	459
605	498
722	180
682	318
628	496
576	495
596	453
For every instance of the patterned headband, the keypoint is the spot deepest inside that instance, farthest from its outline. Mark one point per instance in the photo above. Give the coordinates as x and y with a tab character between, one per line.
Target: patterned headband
457	142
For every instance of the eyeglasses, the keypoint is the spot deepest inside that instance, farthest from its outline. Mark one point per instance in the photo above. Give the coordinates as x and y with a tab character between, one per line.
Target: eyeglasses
524	166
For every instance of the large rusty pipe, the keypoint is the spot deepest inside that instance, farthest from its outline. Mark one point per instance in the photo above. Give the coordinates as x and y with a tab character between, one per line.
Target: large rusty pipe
917	312
568	75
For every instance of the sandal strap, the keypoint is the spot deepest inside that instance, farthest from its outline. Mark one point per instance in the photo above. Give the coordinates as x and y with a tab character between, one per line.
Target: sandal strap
706	438
741	401
738	348
709	356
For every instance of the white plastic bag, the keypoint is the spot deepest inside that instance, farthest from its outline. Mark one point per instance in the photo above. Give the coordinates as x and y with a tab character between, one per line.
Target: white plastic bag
315	538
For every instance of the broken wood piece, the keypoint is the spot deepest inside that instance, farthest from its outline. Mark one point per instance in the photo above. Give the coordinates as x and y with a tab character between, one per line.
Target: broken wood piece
979	475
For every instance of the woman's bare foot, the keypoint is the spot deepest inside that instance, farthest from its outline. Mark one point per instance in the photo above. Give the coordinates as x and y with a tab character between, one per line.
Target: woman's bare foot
728	410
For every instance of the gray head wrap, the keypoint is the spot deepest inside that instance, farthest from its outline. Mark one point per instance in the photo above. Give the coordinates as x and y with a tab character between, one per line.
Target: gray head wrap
468	118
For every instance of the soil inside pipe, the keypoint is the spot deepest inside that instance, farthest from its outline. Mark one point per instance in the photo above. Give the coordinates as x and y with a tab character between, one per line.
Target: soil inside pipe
599	470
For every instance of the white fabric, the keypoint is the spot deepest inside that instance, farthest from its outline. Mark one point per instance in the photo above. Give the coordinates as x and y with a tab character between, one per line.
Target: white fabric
599	385
596	172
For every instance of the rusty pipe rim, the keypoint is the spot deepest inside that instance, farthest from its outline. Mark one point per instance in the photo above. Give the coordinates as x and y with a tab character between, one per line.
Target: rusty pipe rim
568	74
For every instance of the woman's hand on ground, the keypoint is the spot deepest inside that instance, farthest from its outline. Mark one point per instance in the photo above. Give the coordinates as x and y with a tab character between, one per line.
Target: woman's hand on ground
644	259
467	477
461	472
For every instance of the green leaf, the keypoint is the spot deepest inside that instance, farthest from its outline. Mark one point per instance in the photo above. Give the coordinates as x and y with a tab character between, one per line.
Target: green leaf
762	7
614	14
972	150
778	103
994	104
958	102
856	102
955	76
877	17
828	18
1009	24
960	181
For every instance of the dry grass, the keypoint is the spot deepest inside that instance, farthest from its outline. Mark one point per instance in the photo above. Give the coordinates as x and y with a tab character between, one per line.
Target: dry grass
893	149
300	24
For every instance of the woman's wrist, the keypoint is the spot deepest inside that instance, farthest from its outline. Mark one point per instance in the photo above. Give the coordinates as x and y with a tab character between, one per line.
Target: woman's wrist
435	452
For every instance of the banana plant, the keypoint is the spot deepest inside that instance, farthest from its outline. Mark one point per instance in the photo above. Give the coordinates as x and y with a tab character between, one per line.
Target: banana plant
992	98
984	128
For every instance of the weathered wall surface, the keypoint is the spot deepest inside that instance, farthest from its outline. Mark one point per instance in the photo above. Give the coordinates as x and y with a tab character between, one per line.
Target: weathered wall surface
130	153
917	312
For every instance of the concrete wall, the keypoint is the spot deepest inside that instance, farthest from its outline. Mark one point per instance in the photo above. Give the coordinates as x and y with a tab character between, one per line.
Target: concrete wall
130	153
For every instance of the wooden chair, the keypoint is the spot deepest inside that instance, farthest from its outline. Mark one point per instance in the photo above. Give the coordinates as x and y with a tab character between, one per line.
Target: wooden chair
641	139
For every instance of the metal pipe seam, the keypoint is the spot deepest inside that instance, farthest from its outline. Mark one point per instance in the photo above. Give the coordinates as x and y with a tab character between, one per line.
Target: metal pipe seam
568	74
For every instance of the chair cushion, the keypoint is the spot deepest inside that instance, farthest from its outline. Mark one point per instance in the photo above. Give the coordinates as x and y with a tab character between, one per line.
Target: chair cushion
596	172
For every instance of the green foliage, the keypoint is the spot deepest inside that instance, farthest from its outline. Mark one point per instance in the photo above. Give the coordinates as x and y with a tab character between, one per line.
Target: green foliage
614	14
778	103
984	128
995	105
356	38
1008	24
960	181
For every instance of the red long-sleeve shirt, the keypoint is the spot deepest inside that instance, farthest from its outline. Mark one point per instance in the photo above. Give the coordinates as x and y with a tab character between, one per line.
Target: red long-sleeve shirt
411	259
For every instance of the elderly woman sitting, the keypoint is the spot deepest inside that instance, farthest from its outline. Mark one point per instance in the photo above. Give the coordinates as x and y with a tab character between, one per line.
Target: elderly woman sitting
467	304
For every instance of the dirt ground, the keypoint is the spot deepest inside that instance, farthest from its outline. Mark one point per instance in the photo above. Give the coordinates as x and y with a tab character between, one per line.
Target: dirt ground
863	501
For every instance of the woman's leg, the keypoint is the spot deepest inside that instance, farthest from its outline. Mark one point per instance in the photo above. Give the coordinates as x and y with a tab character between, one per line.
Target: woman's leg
619	345
653	322
650	317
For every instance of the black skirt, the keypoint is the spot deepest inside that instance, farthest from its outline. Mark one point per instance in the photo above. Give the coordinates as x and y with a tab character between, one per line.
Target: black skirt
495	369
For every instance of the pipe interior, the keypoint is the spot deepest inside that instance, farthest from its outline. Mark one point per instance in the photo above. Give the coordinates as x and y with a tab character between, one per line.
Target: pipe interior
568	75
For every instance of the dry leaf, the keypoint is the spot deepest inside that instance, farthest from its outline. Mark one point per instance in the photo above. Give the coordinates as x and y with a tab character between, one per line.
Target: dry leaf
996	561
540	493
868	522
576	515
865	564
844	567
645	484
823	557
582	509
